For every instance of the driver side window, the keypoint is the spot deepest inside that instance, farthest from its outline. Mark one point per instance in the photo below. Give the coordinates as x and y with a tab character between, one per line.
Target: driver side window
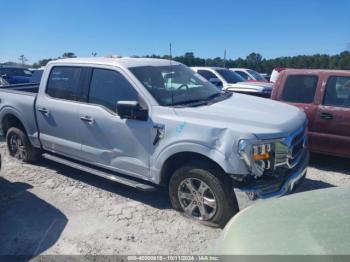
107	87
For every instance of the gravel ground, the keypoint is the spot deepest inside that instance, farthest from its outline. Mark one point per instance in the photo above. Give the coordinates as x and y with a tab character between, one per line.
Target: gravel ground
52	209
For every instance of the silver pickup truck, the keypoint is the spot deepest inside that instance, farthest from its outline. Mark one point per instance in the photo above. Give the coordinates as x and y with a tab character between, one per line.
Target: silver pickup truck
148	122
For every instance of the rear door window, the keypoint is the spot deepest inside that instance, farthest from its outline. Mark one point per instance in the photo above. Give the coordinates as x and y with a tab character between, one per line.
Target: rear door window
64	83
300	89
337	91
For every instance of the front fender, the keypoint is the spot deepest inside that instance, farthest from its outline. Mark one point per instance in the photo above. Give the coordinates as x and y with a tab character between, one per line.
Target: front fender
231	165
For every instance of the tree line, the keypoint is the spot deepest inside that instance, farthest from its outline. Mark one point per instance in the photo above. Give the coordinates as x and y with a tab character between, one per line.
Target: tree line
253	61
257	62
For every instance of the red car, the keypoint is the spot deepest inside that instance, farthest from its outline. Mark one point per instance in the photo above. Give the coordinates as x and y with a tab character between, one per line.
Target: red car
324	95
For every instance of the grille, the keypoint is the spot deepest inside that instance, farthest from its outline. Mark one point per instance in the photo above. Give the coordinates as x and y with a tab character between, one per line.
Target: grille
289	151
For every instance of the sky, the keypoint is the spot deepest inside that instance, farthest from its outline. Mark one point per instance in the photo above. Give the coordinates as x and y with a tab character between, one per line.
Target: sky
43	29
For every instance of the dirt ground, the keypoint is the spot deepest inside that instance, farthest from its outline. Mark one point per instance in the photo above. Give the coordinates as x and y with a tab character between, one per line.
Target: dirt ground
52	209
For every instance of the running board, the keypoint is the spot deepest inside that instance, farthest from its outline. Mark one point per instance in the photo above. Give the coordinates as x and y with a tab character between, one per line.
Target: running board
114	177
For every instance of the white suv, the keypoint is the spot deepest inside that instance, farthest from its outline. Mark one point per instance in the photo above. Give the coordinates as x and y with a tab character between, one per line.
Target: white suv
249	74
228	80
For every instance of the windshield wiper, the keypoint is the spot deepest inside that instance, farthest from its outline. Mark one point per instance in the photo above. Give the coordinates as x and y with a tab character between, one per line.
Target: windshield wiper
221	94
214	96
205	101
193	102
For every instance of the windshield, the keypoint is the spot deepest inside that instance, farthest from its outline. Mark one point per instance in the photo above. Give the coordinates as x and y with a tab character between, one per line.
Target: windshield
256	75
174	85
9	72
230	76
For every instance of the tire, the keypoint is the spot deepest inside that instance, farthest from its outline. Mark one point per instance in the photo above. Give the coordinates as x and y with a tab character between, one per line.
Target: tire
20	147
212	201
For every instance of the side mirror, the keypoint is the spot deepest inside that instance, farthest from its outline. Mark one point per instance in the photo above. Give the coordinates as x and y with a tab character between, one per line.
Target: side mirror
131	110
216	82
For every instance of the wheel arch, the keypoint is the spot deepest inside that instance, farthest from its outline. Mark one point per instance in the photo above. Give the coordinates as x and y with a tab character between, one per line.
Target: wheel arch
11	119
178	159
162	166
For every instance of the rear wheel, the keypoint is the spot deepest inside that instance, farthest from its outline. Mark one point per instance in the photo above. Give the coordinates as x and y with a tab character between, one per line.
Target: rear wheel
203	192
20	147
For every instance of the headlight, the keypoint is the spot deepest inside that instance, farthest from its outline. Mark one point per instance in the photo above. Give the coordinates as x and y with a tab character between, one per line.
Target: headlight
258	157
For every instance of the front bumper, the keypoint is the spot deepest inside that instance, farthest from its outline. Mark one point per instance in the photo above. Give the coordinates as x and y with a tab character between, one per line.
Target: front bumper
278	186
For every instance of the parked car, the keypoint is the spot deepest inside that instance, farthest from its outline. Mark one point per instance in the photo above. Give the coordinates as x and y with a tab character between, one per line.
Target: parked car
36	76
324	95
275	73
15	75
310	223
3	82
230	81
249	74
266	76
147	122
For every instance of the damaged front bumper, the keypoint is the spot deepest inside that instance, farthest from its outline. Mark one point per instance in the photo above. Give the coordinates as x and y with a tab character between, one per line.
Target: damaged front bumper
283	182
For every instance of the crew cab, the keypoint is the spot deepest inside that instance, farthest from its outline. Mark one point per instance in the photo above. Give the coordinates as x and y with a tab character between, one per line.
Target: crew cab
153	122
324	95
228	80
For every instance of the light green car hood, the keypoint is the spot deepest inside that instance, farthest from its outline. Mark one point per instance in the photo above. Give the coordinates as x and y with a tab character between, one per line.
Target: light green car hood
315	222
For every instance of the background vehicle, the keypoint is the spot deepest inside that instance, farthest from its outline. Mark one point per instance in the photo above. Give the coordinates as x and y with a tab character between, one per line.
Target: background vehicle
3	82
15	75
230	81
275	73
249	74
309	223
36	75
266	76
146	122
324	95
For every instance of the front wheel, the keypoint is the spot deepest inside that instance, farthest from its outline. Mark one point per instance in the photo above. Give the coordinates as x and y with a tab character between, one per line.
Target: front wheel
203	192
20	147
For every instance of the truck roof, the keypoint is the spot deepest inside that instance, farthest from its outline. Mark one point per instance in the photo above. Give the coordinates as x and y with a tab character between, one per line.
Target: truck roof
120	61
315	71
208	67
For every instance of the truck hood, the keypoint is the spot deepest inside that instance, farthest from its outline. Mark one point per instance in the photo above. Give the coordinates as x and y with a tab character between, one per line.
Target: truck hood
249	87
258	83
264	118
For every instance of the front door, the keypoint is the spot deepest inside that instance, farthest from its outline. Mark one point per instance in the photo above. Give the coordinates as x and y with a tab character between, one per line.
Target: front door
300	90
332	120
122	145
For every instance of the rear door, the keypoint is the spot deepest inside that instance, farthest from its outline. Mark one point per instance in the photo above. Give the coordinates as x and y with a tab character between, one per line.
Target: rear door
332	121
57	111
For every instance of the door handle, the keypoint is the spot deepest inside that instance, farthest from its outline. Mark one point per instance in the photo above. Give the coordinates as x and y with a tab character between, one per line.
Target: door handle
87	119
43	110
326	116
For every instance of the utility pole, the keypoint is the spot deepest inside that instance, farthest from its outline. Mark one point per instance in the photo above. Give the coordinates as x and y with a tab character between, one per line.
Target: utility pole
225	58
23	59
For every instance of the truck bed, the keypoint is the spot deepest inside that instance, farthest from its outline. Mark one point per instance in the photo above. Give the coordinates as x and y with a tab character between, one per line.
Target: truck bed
31	88
19	100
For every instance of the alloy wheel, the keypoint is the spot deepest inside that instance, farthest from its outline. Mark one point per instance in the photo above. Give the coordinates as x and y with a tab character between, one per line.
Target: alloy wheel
197	199
17	148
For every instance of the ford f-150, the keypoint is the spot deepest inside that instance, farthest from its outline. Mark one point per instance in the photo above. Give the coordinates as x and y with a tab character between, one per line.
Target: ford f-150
148	122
